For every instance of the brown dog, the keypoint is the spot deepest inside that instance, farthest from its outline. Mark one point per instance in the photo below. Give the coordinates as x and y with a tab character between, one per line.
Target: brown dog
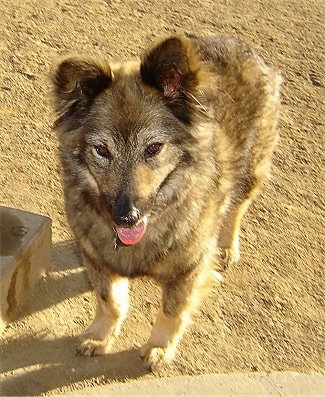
161	159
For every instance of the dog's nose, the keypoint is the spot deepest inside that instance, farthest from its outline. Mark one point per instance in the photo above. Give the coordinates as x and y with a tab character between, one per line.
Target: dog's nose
130	218
125	213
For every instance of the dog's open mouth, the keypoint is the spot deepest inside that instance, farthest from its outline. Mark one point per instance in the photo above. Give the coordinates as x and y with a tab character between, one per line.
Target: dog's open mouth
131	235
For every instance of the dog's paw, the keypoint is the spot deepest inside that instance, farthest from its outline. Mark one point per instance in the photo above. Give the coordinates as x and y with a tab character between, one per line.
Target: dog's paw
92	347
229	257
155	357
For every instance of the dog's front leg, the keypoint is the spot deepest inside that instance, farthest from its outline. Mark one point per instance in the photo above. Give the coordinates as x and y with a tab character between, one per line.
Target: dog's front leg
112	305
180	298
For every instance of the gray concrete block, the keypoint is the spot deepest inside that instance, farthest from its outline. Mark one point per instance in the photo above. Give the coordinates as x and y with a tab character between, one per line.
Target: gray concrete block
25	253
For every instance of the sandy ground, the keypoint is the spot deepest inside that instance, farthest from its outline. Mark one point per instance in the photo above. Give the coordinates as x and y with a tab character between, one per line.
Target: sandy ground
269	313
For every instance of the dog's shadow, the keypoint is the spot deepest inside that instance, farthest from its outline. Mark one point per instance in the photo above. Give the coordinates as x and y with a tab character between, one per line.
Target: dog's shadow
35	364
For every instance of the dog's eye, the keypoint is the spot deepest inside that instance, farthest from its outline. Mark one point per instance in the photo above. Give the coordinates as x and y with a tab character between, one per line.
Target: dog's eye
102	151
153	149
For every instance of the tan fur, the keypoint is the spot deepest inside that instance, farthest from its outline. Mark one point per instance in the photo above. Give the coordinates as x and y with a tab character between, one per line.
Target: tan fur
182	139
145	180
165	336
112	307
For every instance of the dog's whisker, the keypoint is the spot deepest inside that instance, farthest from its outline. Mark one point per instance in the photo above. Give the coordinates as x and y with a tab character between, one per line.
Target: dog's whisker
201	107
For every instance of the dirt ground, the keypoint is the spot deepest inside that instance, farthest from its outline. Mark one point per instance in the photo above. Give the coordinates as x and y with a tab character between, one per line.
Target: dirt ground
269	313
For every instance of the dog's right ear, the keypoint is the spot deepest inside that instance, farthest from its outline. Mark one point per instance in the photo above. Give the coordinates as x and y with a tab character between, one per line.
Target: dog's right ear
77	82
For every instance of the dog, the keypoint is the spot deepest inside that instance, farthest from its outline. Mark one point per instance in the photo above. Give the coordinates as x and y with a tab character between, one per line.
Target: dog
161	159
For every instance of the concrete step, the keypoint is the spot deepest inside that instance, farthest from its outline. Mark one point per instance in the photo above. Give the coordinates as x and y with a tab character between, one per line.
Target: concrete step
25	253
280	384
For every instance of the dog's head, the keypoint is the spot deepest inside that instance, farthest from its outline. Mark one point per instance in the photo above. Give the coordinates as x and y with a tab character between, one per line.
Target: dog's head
131	133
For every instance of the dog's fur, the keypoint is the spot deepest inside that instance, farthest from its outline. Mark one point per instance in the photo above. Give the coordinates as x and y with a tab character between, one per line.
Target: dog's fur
183	138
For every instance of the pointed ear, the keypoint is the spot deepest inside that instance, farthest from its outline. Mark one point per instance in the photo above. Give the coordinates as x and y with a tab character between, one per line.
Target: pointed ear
77	82
172	67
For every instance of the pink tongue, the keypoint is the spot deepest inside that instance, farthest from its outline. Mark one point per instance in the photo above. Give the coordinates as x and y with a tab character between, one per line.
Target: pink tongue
131	235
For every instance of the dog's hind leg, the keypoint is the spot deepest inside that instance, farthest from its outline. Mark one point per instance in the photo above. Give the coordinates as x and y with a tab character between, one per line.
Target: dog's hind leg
229	233
112	305
228	240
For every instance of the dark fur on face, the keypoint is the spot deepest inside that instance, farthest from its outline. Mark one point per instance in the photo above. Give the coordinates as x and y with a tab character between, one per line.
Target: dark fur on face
162	158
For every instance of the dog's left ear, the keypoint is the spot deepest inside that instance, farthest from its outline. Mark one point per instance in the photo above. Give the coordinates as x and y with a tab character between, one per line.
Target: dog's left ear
172	67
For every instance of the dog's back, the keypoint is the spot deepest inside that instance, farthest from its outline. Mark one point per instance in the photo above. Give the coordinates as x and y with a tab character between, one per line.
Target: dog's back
246	109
